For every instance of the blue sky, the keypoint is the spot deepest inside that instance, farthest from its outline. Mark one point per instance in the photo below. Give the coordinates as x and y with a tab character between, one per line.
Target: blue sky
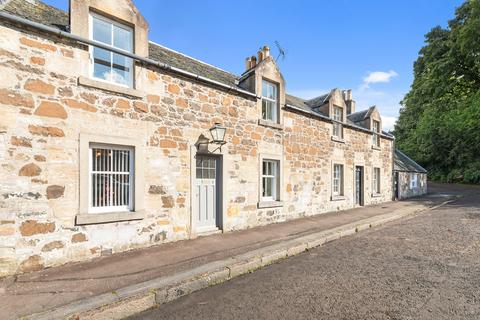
368	46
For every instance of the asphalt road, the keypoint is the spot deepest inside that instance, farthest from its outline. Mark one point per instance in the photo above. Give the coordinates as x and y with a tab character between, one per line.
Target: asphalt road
427	267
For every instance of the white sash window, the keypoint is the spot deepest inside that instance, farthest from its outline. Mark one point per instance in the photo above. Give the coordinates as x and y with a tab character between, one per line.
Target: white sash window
269	101
337	124
106	65
337	179
376	136
376	180
270	179
413	180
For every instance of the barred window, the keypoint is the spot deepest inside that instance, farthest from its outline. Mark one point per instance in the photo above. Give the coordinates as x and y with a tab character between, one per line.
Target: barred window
337	179
269	101
111	178
337	126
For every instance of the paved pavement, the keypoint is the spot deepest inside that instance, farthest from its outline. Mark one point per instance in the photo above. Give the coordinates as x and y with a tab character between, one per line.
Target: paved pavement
427	267
60	286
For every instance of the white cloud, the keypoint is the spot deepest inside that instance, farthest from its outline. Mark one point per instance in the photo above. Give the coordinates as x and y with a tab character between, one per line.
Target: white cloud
388	123
377	77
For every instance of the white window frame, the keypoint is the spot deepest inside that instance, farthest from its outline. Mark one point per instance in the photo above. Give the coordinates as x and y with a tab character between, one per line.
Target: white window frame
376	181
275	177
92	63
131	174
84	216
376	133
275	101
337	117
413	180
340	179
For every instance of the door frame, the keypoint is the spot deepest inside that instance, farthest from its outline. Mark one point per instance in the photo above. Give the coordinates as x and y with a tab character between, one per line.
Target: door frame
396	185
362	184
221	191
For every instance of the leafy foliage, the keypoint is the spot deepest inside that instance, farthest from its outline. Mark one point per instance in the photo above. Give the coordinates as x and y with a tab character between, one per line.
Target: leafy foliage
439	123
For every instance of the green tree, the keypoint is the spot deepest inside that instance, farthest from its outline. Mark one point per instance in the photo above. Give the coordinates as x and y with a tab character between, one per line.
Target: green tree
439	122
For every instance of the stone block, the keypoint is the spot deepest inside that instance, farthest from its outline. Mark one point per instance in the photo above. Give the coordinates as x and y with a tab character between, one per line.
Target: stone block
32	227
38	86
55	192
30	170
33	263
51	109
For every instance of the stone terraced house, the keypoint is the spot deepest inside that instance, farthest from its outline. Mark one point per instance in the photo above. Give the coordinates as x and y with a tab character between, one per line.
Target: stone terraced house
110	142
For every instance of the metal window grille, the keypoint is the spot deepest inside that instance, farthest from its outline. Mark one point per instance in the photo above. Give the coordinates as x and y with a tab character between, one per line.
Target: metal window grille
111	178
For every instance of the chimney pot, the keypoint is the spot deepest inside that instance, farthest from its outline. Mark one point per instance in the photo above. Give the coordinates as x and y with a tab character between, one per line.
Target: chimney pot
254	61
347	95
260	55
248	63
266	51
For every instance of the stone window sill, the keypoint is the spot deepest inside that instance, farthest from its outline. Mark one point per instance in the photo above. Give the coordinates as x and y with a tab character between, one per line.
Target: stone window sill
270	204
91	83
338	198
376	148
376	195
270	124
337	139
110	217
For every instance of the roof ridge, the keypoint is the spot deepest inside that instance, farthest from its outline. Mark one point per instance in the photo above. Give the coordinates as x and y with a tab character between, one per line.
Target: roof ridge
190	57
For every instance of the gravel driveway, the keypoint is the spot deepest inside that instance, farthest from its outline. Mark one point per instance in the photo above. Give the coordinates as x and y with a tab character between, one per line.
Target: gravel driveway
427	267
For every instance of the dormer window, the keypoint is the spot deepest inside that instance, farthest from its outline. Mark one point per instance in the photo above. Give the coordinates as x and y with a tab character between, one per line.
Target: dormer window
376	132
269	101
106	65
337	122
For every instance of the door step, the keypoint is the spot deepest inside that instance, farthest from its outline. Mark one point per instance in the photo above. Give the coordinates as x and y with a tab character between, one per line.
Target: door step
208	232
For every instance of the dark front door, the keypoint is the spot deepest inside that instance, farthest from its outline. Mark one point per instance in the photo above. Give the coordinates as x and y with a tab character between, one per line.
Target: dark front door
359	185
396	186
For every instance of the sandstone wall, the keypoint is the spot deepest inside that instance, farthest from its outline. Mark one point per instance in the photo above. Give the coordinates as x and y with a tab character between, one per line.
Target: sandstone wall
43	111
404	185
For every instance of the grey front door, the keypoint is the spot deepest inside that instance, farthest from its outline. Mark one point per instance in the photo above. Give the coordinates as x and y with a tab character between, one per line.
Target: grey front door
359	185
206	193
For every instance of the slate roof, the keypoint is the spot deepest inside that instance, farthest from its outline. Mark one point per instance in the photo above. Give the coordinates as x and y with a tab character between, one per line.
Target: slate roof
358	116
296	102
403	163
40	12
181	61
319	101
37	11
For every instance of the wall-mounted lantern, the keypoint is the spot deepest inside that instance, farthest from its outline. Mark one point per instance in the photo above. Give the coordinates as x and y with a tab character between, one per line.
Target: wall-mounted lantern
218	134
218	137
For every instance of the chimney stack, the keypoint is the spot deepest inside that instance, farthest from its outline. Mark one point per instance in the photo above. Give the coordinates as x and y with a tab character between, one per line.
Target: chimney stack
260	55
254	61
248	63
266	52
350	103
